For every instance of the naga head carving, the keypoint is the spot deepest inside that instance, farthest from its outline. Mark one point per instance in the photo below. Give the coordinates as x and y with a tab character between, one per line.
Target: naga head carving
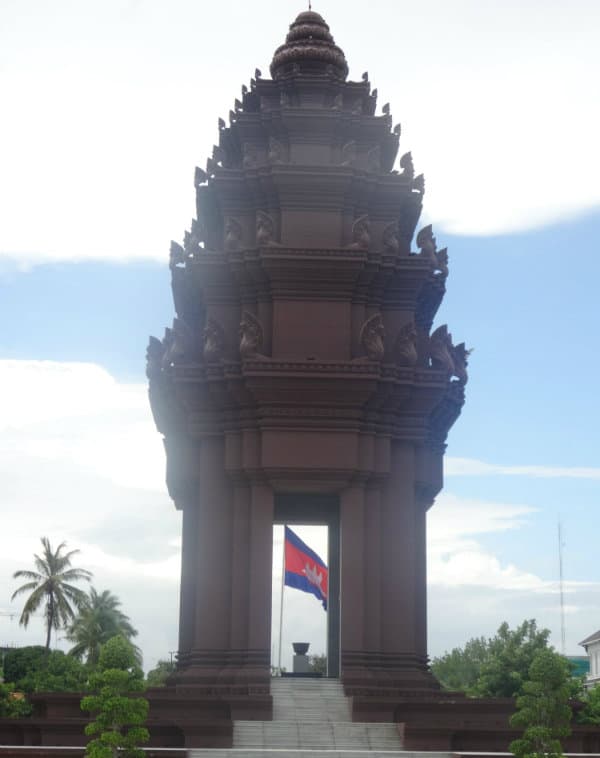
405	348
154	357
361	233
407	166
441	349
265	230
214	341
390	238
251	335
371	337
233	234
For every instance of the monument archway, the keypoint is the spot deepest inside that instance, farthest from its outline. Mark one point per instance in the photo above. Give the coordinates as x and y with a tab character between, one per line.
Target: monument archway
302	367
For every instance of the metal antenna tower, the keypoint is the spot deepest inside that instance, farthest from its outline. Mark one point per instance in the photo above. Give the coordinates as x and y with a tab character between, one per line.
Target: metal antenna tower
561	589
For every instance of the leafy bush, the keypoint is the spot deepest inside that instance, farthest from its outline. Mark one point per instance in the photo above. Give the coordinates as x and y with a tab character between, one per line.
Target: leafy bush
496	667
32	669
157	677
22	661
13	704
543	710
590	713
58	673
118	728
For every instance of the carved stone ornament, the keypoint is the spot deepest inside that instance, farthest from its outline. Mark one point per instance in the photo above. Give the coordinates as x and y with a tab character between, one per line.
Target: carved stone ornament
220	155
200	177
391	243
361	233
176	255
418	184
182	344
371	337
251	336
407	166
405	348
214	341
276	151
265	230
165	410
154	356
193	238
349	154
233	234
250	156
338	102
374	159
167	343
427	244
460	357
441	350
442	263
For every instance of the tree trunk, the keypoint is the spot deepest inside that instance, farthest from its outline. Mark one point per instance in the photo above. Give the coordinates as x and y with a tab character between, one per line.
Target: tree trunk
49	619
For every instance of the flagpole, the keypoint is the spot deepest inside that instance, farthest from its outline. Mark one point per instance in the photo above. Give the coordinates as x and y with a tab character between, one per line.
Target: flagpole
281	600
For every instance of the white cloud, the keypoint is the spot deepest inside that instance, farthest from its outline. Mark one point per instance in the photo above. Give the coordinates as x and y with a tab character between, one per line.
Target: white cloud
98	154
472	467
81	461
456	559
78	412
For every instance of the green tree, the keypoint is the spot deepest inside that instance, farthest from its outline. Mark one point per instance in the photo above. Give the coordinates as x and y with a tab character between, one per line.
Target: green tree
51	587
543	708
58	673
157	677
118	728
32	669
19	662
590	713
318	664
460	669
496	667
13	704
510	655
99	619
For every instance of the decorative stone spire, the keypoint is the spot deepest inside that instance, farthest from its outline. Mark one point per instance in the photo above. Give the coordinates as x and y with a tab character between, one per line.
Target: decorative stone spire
309	48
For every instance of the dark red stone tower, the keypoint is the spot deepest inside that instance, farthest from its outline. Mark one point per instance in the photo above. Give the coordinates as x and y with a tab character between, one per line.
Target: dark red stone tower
300	380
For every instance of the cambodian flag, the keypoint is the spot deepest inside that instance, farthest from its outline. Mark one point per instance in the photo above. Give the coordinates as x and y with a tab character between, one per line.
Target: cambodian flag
304	570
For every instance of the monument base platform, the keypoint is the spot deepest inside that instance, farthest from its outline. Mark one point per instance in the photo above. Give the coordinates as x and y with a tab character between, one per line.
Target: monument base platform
184	717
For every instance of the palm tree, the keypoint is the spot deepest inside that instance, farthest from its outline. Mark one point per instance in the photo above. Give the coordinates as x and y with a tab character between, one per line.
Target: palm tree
99	619
50	586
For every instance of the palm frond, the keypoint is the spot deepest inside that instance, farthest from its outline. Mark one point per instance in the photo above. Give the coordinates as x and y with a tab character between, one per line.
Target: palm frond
24	588
24	574
32	603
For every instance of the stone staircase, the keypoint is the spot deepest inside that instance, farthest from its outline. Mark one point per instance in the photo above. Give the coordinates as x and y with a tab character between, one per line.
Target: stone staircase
311	719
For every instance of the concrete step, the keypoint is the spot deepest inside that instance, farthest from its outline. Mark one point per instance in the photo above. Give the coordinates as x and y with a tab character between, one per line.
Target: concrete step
257	753
315	735
309	700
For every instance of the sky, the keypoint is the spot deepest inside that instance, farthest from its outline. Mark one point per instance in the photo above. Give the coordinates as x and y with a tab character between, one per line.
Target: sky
108	106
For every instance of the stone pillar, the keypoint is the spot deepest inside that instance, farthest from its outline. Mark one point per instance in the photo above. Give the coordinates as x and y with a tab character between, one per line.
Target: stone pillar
352	573
209	567
373	594
187	591
260	572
